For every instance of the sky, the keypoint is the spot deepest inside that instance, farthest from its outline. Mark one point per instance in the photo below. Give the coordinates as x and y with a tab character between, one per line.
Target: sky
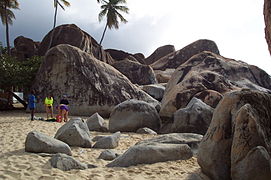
237	26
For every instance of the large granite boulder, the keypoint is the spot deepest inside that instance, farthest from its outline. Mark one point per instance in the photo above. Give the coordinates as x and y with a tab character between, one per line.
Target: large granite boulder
75	133
40	143
137	73
133	114
91	85
195	118
73	35
267	19
174	59
152	153
119	55
209	71
25	48
237	144
159	53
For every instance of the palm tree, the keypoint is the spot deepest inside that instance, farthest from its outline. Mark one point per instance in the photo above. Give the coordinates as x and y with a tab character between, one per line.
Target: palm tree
7	16
111	9
56	4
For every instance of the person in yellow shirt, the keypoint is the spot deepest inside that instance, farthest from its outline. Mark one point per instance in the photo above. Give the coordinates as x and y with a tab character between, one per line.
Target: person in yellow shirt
49	100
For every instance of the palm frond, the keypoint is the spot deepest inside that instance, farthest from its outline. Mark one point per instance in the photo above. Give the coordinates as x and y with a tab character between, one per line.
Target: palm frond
122	19
102	14
123	9
66	3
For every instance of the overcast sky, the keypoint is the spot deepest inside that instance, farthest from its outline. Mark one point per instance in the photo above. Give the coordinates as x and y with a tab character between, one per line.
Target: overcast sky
237	26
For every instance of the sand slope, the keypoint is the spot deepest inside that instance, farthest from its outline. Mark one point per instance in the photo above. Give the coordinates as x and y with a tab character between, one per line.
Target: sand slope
15	163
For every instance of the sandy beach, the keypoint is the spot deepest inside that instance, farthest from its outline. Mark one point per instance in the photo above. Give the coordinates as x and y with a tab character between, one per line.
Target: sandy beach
15	163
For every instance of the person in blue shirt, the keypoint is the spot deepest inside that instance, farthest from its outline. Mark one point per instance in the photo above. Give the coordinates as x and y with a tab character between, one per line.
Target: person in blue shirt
32	104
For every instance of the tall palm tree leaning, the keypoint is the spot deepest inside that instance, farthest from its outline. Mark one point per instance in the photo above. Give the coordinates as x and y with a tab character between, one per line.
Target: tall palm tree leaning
56	4
111	9
7	16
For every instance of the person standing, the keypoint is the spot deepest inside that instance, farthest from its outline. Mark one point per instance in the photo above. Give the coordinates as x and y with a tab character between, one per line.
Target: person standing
49	100
32	104
64	108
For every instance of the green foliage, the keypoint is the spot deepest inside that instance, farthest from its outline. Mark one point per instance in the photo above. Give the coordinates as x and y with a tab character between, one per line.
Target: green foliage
14	73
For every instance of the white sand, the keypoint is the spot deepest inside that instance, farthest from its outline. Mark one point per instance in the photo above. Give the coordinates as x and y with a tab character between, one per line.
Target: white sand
15	163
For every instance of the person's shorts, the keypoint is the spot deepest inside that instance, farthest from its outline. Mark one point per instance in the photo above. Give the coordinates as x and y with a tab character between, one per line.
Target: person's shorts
64	107
49	107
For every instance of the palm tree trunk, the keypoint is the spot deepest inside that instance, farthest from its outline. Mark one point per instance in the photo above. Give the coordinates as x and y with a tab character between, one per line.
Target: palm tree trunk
7	31
103	34
52	34
100	54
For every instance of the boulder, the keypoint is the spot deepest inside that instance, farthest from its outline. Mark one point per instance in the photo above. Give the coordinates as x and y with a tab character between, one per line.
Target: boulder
137	73
267	20
209	71
25	48
108	142
66	163
154	90
87	81
195	118
133	114
191	139
152	153
119	55
96	138
73	35
108	155
237	144
163	76
40	143
140	58
96	123
209	97
146	130
175	59
75	133
159	53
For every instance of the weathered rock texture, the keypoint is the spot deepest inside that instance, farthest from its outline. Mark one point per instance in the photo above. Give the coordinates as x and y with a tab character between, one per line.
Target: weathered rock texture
163	76
174	59
91	85
152	153
131	115
25	48
159	53
73	35
96	123
191	139
208	71
136	72
155	90
75	133
108	142
237	144
66	163
195	118
267	19
40	143
119	55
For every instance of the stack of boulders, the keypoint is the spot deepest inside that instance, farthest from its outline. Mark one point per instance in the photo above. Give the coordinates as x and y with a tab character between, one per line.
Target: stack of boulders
237	144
